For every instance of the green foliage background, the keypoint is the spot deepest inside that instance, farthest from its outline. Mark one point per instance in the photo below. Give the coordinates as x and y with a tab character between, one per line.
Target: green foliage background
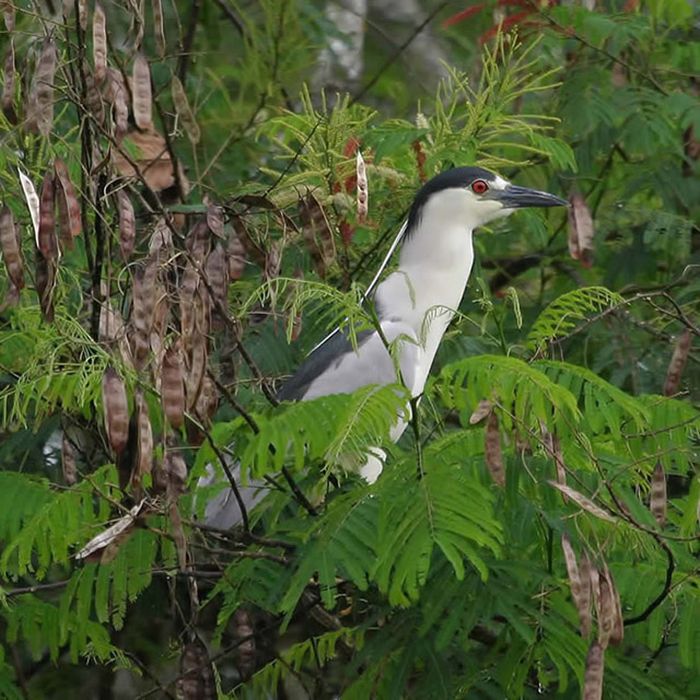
433	582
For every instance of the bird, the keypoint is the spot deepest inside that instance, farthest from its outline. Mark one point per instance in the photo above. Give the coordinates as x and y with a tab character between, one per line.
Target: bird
414	306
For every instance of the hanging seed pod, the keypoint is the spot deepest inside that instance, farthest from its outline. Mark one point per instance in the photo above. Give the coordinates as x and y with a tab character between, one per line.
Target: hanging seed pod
116	410
99	43
215	220
657	502
32	200
584	610
677	363
580	597
244	636
160	245
141	93
188	288
480	412
317	233
362	188
68	205
184	110
11	248
553	448
235	254
68	463
45	280
143	304
273	260
127	225
40	110
82	7
606	618
198	241
581	230
93	98
8	85
617	634
207	401
196	370
144	450
196	680
492	450
217	276
172	388
118	96
158	27
176	470
8	11
593	678
47	218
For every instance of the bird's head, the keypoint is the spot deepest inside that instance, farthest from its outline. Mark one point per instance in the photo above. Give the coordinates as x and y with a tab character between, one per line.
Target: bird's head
473	197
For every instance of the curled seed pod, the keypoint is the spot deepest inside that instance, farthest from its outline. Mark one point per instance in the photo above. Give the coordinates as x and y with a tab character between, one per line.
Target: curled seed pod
32	200
172	388
144	458
68	205
184	110
11	248
492	450
118	97
99	43
362	188
116	410
127	224
593	678
68	463
235	253
158	27
196	681
480	412
142	104
677	363
657	503
317	233
8	85
244	635
581	230
580	587
45	281
47	218
42	89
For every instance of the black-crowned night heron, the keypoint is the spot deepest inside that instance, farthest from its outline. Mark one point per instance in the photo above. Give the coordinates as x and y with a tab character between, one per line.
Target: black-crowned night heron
414	304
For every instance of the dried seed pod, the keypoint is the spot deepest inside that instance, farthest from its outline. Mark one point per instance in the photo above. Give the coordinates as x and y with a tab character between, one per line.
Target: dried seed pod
153	162
362	188
142	104
188	289
82	14
8	85
172	388
581	230
207	401
480	412
677	363
184	110
68	205
244	635
217	277
158	27
144	458
492	450
585	616
273	260
617	634
196	681
41	99
317	233
45	281
114	535
32	200
11	248
198	241
93	97
143	304
583	502
606	603
196	369
99	43
595	667
127	224
116	409
8	11
176	470
215	220
68	464
580	596
235	253
657	502
161	239
47	218
118	97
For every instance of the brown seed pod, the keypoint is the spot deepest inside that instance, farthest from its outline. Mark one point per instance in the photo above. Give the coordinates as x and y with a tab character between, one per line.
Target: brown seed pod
188	289
583	502
196	681
273	260
217	276
142	104
158	27
99	43
198	241
68	464
657	502
116	409
176	471
45	281
93	97
47	218
492	450
11	248
617	634
317	233
41	98
196	369
127	224
215	220
172	388
244	636
606	607
143	304
585	615
235	254
8	85
153	162
362	188
160	245
677	363
580	597
144	457
8	11
595	667
70	224
581	230
184	110
82	7
118	96
480	412
207	401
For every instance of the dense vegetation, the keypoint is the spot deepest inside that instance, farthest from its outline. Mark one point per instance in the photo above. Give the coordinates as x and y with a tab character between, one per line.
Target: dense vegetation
179	227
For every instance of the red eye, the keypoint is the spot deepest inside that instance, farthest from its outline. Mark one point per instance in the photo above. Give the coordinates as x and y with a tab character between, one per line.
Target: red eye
479	186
